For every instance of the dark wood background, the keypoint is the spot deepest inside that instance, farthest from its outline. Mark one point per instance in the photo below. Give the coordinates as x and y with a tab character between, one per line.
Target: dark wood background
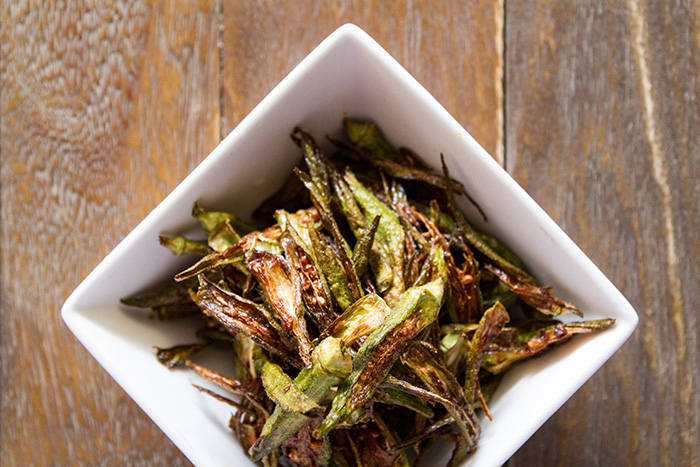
594	107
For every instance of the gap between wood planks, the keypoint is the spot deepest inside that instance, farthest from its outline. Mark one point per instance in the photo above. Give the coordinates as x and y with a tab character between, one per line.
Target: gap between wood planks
502	154
220	48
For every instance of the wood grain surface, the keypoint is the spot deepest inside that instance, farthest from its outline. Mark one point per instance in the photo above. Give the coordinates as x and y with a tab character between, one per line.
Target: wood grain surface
593	107
453	48
105	108
602	129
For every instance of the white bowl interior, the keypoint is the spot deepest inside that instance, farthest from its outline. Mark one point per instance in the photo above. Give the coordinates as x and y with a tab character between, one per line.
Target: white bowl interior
347	75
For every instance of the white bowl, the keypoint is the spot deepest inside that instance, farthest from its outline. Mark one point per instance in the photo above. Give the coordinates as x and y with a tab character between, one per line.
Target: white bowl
347	74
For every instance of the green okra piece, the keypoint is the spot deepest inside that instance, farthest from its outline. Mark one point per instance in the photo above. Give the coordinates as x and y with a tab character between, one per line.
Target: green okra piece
182	246
363	248
232	255
491	324
402	171
330	265
368	136
416	173
517	343
266	240
360	319
330	365
538	297
261	243
364	230
439	380
434	266
446	223
281	284
173	293
315	162
223	236
177	355
250	355
298	225
453	347
464	302
314	289
298	248
353	214
318	183
283	392
238	314
388	246
174	311
455	344
519	281
470	234
210	219
341	249
403	207
417	307
499	292
503	251
475	239
393	382
441	426
390	437
392	396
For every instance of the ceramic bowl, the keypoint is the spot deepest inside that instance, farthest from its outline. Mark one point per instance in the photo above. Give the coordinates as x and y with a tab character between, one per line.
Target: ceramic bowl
348	74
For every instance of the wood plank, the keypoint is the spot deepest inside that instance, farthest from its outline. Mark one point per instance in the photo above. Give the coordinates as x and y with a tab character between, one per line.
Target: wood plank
104	110
453	48
602	118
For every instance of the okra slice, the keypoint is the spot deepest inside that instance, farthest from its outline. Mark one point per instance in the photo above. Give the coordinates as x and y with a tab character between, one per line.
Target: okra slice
489	328
525	286
209	220
515	344
417	307
360	319
177	355
283	392
281	284
238	314
330	365
182	246
265	240
439	380
388	246
368	136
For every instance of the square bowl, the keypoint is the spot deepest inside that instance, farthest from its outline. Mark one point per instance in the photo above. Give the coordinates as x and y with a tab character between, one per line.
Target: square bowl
347	74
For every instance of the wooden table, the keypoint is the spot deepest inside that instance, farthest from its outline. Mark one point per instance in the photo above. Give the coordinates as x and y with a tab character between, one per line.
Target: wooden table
594	107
